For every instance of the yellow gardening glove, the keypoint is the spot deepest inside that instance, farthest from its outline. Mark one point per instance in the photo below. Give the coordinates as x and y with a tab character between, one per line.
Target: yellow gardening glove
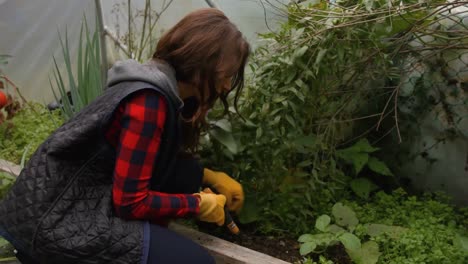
227	186
211	207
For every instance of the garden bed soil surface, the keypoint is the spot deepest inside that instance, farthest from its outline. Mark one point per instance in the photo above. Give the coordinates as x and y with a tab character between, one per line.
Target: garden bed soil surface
281	247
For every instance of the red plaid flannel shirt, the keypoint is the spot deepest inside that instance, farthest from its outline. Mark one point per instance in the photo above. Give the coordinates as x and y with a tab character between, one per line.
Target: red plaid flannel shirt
135	132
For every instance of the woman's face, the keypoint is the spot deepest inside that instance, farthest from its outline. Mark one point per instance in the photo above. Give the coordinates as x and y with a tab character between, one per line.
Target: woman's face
225	72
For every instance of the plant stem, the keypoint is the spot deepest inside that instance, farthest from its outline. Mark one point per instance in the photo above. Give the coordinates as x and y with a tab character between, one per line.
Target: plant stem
164	8
145	19
130	46
102	38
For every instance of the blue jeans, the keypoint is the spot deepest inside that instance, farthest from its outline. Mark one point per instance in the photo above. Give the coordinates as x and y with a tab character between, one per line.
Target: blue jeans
166	246
20	255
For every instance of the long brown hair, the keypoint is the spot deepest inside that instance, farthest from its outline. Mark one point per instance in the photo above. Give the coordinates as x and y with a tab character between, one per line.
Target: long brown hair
195	47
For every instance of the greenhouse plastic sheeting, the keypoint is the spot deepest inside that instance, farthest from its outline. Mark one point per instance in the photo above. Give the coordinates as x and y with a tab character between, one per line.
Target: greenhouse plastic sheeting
251	16
29	31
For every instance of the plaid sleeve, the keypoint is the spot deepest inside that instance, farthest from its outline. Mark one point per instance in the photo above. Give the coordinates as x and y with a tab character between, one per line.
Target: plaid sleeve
141	125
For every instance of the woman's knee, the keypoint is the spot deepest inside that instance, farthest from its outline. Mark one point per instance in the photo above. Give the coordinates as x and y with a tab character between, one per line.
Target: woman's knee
166	246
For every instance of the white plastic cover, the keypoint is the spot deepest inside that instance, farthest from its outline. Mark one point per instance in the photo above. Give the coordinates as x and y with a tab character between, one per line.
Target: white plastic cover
29	31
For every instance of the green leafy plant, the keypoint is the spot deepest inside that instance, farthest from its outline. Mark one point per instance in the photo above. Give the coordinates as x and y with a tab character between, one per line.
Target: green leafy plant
297	111
78	90
341	232
329	77
412	229
21	135
6	181
359	155
321	260
6	249
393	228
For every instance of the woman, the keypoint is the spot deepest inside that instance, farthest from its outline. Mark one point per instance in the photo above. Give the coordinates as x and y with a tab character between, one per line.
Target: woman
102	187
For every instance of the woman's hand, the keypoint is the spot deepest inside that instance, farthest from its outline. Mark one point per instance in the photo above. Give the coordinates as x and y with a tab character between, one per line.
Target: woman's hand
211	207
227	186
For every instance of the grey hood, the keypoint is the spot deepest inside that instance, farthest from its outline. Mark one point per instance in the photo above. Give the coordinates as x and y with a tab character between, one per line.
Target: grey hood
157	73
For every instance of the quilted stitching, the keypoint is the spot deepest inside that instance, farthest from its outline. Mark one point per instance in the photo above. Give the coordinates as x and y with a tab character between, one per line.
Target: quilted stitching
69	215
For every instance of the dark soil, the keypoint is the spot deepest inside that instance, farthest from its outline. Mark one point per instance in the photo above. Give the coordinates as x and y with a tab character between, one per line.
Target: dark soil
284	248
338	254
281	247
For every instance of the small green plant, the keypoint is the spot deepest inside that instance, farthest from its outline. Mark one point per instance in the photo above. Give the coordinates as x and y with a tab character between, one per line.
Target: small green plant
341	232
434	231
360	155
6	181
321	260
84	86
393	228
21	135
6	249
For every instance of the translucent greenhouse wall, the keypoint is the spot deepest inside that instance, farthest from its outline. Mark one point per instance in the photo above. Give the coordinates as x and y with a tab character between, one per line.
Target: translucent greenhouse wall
29	31
438	158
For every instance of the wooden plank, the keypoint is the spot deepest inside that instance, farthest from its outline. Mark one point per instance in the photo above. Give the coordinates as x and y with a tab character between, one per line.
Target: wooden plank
9	167
224	251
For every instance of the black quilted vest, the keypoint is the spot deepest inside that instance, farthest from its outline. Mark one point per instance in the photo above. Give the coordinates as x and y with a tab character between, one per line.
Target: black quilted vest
60	208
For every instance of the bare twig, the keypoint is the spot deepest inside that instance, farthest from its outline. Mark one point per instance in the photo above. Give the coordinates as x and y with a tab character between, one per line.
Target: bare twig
130	19
384	135
396	114
119	43
164	8
386	106
145	18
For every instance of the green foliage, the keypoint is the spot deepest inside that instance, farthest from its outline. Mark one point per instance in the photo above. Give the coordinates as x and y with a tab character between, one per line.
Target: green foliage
413	230
6	181
6	249
331	234
362	187
87	83
344	216
321	260
359	156
368	253
22	134
405	229
316	85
